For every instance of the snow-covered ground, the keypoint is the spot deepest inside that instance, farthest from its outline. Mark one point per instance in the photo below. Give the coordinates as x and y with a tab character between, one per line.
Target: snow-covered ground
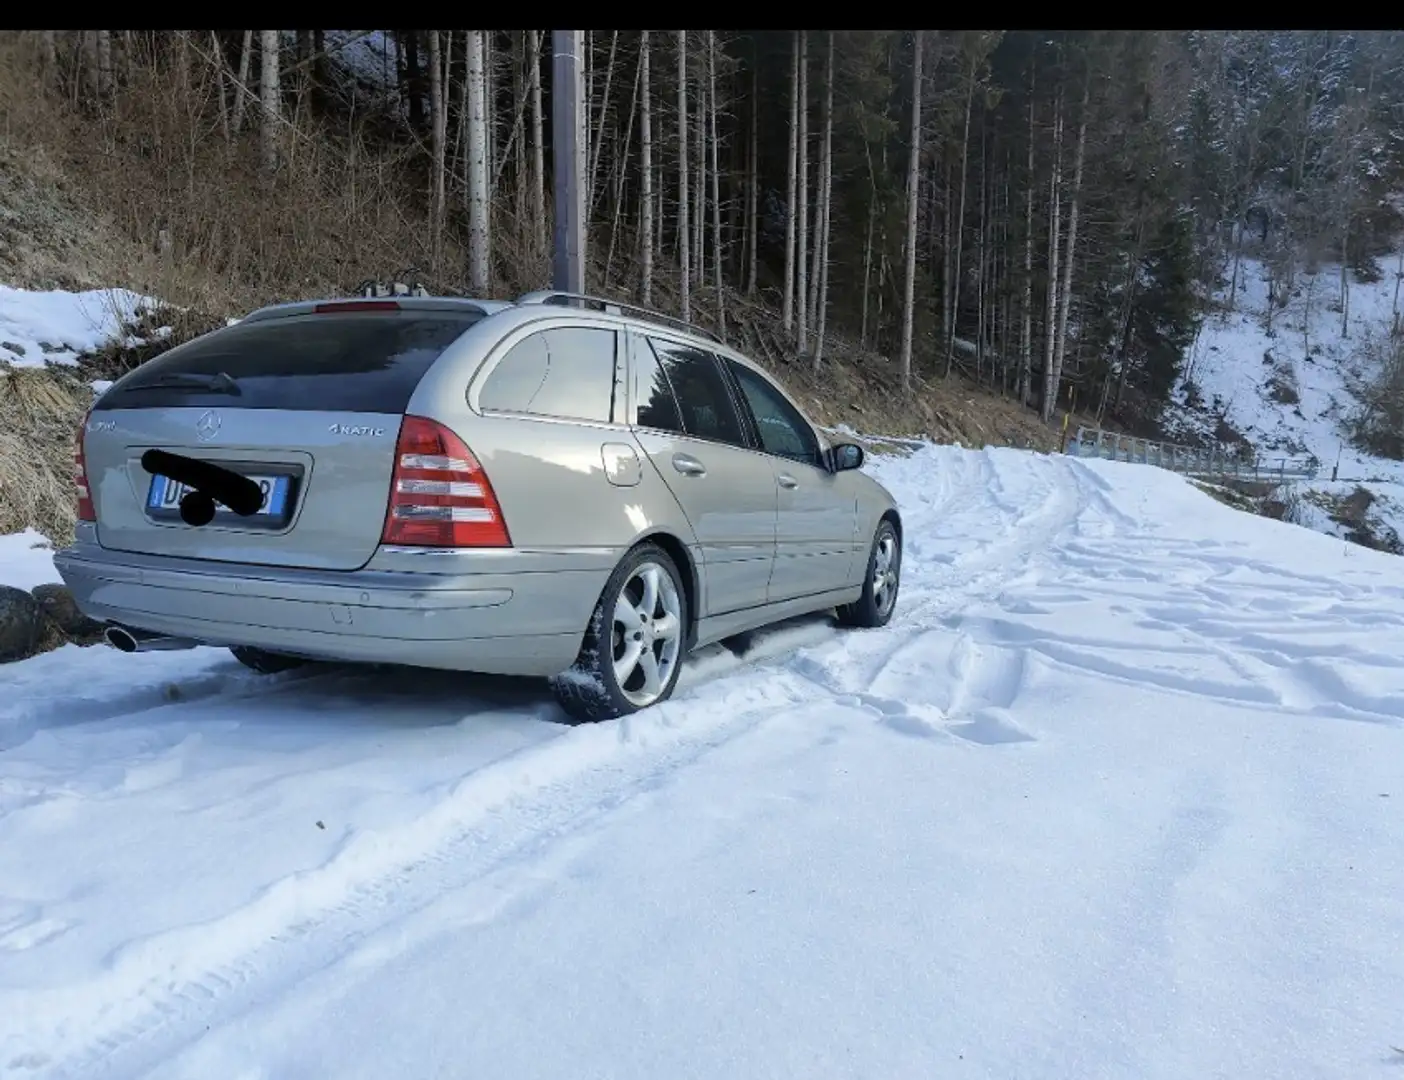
1120	793
1313	351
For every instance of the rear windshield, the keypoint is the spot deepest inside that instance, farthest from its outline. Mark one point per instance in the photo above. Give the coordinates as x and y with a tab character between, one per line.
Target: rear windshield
364	362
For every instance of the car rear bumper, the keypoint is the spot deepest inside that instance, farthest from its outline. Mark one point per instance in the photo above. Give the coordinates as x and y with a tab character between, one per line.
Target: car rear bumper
502	621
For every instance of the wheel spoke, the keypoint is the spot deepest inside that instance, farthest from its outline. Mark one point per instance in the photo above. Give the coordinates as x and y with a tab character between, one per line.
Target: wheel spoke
653	684
624	612
665	628
625	665
649	604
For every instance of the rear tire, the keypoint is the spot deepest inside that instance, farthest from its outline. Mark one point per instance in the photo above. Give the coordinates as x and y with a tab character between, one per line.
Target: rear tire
881	582
633	647
264	662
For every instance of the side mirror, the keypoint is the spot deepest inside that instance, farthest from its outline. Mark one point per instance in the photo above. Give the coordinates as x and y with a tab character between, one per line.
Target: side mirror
846	456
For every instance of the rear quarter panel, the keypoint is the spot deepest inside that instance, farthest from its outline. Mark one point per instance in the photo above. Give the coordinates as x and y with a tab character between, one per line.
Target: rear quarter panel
552	477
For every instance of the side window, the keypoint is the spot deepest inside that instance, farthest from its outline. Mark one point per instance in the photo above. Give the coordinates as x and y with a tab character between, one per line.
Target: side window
702	396
565	372
782	430
658	408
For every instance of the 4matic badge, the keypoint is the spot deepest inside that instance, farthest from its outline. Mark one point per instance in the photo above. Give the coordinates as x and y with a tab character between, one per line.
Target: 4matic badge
358	429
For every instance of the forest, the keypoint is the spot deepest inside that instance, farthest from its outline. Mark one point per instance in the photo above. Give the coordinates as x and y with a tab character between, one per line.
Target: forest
1050	214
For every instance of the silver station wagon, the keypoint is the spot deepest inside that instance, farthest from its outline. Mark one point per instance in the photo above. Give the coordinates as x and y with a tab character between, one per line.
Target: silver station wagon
562	487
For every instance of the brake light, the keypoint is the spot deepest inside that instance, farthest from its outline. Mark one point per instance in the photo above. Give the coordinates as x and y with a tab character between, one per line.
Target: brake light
338	306
439	494
80	474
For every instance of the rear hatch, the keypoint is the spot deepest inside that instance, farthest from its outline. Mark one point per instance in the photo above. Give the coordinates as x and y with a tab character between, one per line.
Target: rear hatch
309	405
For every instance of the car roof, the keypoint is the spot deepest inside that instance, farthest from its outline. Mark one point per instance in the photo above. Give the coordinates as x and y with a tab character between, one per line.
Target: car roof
533	305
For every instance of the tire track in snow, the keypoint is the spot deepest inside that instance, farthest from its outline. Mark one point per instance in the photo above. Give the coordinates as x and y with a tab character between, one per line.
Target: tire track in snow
156	992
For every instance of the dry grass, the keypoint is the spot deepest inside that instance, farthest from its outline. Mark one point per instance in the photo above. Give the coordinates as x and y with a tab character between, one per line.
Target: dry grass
39	416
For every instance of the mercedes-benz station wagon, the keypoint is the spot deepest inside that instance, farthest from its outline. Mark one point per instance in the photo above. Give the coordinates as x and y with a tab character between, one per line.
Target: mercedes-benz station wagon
558	486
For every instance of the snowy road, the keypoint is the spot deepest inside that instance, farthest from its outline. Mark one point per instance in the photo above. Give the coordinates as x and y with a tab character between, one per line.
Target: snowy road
1119	794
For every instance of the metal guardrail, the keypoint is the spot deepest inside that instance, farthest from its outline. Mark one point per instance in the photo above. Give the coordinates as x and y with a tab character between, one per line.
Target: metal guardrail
1188	460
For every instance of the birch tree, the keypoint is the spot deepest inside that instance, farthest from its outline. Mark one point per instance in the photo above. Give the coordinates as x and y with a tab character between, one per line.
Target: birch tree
826	171
787	311
913	181
538	143
269	94
716	182
684	260
1065	300
646	176
479	236
439	121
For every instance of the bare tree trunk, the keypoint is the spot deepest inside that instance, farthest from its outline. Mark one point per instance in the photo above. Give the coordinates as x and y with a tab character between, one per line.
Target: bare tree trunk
684	255
980	263
646	169
716	183
1026	330
221	101
867	265
538	144
269	99
913	181
241	89
1051	318
48	51
802	234
104	61
753	186
960	222
826	171
599	125
618	171
699	188
787	304
479	237
1073	207
439	122
946	250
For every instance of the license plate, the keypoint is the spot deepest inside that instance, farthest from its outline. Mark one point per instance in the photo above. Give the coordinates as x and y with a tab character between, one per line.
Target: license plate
165	495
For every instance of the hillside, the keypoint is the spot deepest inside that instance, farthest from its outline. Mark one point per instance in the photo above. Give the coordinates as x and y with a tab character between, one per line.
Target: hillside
1302	388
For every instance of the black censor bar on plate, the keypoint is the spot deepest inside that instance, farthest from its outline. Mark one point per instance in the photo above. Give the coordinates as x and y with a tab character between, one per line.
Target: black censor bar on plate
210	483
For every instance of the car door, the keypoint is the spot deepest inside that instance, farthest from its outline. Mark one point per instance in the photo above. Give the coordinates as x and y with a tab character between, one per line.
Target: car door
686	422
817	513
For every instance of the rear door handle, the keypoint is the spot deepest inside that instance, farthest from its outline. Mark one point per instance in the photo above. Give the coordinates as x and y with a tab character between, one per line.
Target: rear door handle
787	481
689	465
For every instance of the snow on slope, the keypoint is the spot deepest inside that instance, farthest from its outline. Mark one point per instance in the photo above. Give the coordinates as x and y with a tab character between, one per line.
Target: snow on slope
39	328
1117	794
1228	368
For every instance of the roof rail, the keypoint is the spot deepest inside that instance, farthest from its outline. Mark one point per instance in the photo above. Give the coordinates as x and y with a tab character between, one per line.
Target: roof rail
614	307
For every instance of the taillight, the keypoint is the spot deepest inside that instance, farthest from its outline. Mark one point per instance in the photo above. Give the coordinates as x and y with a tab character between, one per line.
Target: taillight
439	494
80	474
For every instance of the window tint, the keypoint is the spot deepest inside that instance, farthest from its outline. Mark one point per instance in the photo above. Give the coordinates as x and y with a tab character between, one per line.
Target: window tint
566	372
702	396
657	407
782	430
348	363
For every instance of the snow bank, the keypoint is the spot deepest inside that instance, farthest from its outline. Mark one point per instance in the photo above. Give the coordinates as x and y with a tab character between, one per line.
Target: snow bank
38	328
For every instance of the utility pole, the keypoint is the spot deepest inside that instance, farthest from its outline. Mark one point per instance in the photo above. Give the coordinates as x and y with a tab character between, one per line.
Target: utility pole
568	158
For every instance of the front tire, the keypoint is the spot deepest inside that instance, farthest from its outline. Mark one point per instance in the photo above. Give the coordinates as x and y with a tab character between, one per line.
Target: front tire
875	607
633	648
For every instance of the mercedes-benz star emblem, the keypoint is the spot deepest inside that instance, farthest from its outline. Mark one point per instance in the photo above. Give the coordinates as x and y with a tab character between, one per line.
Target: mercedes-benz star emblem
207	427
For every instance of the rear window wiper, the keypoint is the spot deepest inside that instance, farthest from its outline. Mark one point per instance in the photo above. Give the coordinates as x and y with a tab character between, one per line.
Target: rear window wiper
219	383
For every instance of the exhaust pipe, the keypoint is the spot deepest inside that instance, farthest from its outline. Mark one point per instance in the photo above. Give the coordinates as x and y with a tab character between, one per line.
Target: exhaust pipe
130	640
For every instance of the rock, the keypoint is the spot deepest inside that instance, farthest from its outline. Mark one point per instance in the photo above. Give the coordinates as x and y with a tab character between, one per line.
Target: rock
58	604
21	624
